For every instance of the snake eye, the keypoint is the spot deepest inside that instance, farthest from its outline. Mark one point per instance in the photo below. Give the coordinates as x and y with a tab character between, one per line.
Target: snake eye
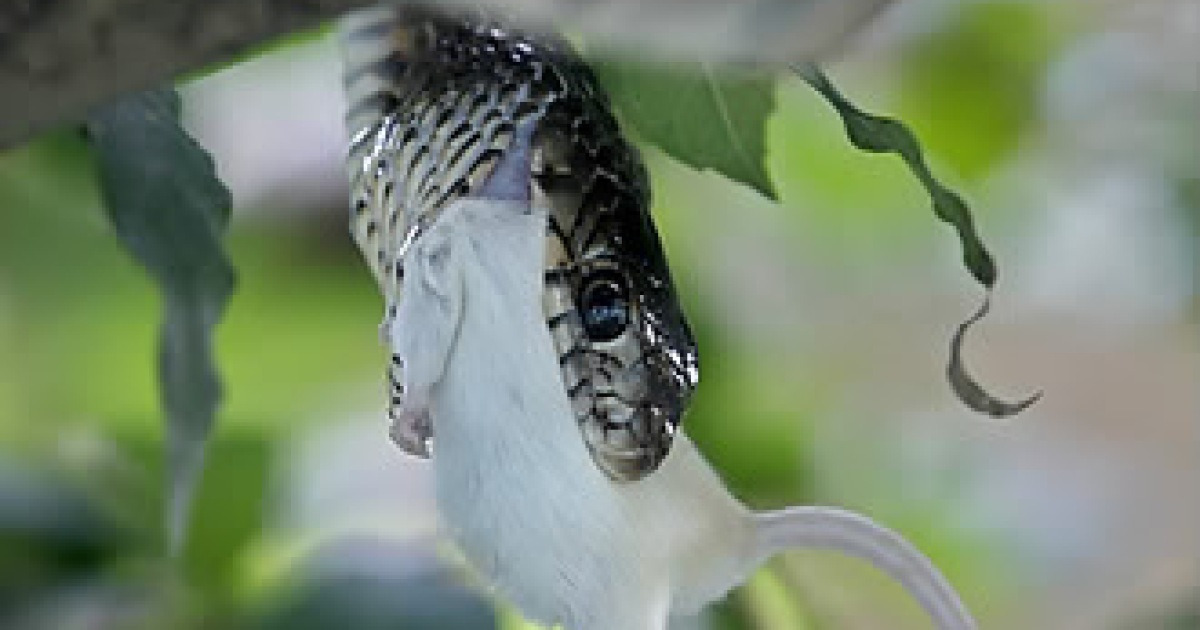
604	305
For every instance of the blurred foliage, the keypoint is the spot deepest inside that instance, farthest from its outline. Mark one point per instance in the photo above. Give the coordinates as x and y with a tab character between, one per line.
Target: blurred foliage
879	134
332	598
1189	195
80	439
752	429
76	332
48	532
969	88
850	205
169	209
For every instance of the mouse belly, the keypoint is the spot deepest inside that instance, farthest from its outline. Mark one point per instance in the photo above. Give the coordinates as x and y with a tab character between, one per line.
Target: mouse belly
546	528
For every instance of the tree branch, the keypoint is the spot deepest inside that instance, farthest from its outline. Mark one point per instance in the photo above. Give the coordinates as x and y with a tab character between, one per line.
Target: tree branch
61	58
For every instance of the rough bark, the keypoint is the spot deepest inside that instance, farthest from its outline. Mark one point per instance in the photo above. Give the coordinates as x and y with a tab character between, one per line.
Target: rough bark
60	58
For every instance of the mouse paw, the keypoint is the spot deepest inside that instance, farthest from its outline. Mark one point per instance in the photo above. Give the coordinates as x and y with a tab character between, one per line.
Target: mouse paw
411	428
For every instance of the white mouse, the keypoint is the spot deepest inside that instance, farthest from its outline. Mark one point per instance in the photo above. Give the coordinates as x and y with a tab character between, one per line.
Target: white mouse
516	486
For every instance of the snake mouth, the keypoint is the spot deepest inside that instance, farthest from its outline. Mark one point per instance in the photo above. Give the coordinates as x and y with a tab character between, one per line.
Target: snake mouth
616	396
619	447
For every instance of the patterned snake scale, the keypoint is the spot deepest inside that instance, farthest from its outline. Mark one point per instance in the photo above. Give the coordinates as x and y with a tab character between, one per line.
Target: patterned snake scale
434	102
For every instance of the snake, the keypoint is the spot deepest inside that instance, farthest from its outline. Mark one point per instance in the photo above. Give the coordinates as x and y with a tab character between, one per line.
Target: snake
435	102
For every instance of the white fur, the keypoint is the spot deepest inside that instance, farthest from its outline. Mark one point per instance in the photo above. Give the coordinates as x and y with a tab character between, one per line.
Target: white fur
516	486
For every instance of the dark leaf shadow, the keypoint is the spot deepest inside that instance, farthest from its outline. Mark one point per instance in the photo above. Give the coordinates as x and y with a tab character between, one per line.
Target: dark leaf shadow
169	209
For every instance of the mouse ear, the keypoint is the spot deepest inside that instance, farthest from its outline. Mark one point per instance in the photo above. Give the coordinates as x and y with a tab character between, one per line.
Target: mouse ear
426	323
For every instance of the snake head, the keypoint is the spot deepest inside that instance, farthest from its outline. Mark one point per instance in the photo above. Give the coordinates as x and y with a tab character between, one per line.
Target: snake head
465	107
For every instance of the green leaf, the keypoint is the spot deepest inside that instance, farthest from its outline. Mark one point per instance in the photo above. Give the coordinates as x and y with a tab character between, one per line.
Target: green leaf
169	210
702	117
876	134
967	389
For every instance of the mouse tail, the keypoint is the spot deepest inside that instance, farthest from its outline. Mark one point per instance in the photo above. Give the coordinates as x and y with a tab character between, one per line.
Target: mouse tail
834	529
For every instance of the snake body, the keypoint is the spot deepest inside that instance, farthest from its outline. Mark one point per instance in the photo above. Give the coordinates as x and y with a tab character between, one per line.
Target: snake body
435	102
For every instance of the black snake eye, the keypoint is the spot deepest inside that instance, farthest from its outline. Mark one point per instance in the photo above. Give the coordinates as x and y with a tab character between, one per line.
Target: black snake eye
604	305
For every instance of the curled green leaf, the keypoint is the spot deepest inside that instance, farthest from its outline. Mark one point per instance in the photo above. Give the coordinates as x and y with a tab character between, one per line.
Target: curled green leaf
877	134
965	387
